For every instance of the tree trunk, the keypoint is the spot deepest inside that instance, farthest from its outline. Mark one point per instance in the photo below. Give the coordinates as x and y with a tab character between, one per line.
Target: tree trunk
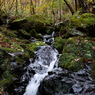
16	7
70	7
31	8
59	11
76	5
52	11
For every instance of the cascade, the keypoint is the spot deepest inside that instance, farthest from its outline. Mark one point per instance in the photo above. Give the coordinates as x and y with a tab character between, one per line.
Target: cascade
46	60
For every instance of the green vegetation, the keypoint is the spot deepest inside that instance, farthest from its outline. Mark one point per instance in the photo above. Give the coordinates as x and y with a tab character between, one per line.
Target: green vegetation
59	43
33	47
84	20
10	34
33	33
73	53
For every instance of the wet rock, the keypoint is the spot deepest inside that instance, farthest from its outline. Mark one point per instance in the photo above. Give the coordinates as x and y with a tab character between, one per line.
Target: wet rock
77	88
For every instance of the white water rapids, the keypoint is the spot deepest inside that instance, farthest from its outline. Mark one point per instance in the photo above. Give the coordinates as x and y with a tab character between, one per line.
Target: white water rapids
46	59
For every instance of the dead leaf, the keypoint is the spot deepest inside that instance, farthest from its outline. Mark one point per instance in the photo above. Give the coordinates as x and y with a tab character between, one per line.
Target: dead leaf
94	48
77	59
1	92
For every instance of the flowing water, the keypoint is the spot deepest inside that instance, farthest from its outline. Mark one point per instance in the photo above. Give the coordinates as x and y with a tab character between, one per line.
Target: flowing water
43	77
46	59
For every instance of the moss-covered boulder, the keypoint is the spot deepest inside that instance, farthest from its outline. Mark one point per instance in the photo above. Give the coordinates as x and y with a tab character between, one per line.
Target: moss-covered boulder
36	22
59	43
23	34
3	17
5	73
9	33
12	63
75	53
33	33
39	37
82	25
31	48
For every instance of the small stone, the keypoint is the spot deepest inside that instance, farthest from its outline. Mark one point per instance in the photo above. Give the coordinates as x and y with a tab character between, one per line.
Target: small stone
77	88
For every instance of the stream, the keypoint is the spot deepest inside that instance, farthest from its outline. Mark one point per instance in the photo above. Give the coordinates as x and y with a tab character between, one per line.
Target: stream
46	59
44	63
44	77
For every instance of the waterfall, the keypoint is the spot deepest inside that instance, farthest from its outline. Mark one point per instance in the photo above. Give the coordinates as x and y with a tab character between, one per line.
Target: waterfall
45	61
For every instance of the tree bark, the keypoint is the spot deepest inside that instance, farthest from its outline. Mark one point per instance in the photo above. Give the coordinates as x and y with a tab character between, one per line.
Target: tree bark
58	10
76	5
69	6
16	7
32	11
52	11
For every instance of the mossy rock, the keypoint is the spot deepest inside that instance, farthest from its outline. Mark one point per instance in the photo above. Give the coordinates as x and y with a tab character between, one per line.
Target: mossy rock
10	34
59	43
67	60
36	22
33	33
49	30
23	34
84	23
33	47
39	37
5	74
74	51
17	47
53	86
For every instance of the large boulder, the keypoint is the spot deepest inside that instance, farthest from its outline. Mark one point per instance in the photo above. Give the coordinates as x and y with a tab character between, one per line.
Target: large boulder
77	52
36	22
78	25
82	25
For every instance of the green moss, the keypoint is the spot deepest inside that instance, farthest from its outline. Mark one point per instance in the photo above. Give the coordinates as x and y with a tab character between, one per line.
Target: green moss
6	39
38	18
62	29
74	51
93	71
33	33
21	19
6	81
83	20
33	47
24	46
67	60
19	59
24	33
1	35
10	34
8	49
17	47
39	36
59	43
